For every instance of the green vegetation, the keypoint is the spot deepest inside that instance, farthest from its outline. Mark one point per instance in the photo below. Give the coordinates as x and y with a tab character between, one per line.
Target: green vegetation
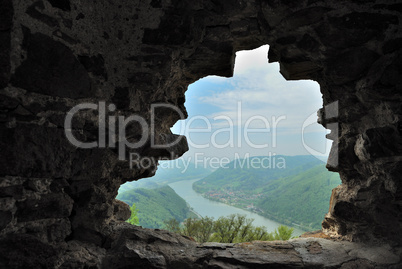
133	218
234	228
243	175
293	190
295	195
303	199
156	205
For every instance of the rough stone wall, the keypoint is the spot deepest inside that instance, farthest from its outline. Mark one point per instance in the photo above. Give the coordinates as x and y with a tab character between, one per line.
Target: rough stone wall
56	200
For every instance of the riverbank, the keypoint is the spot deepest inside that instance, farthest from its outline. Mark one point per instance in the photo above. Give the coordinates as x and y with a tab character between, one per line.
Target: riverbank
206	207
249	205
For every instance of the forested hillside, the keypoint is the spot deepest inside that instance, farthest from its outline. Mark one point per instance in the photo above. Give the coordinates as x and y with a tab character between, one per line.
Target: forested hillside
296	194
252	173
301	199
156	205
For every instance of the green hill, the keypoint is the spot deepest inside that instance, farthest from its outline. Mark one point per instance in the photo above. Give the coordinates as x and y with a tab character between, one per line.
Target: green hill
156	205
301	199
252	173
297	194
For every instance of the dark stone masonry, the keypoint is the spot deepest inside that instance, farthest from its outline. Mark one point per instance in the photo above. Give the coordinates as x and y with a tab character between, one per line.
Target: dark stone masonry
57	206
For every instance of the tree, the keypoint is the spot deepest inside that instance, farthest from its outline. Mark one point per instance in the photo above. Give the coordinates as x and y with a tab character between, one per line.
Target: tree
223	229
172	225
133	218
205	229
257	233
245	231
190	228
283	233
234	228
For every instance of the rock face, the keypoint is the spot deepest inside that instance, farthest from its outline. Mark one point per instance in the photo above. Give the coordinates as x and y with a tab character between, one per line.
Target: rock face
57	206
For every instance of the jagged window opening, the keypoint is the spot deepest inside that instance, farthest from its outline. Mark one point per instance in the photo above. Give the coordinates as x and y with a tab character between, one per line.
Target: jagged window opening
227	119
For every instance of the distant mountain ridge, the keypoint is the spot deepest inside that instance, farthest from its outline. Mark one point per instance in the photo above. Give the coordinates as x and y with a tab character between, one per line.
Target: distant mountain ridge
256	171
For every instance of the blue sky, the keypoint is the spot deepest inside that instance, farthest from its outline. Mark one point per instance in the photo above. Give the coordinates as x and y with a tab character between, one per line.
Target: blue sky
279	116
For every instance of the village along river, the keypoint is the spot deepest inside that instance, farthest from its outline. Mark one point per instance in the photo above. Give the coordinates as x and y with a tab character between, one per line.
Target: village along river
205	207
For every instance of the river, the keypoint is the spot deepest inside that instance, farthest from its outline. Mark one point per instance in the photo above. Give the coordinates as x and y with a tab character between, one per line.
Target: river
205	207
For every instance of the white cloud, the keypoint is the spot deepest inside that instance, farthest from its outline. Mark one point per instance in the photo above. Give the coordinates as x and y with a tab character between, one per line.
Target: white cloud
262	90
247	61
216	79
